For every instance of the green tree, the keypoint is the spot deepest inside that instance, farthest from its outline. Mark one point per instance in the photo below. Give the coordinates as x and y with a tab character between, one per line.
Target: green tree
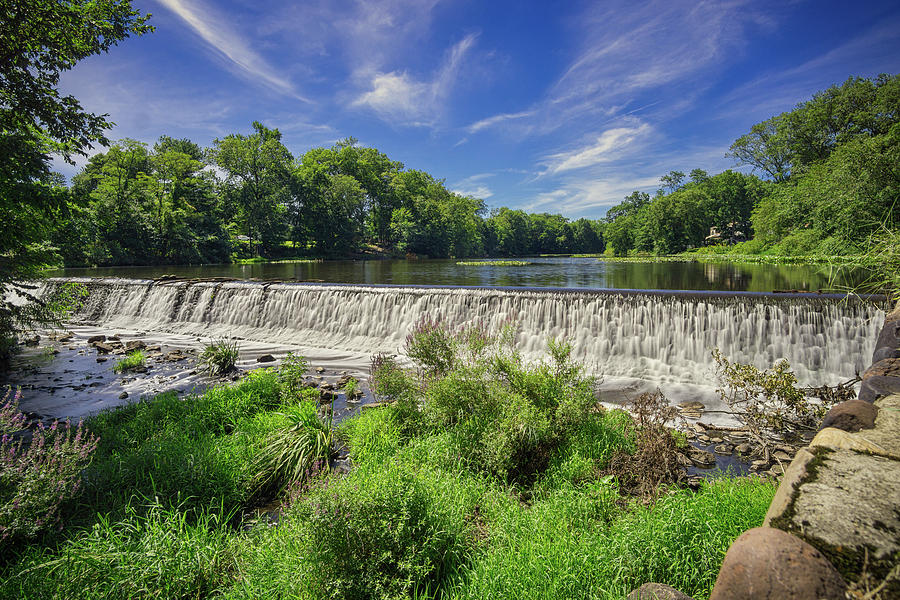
39	40
257	179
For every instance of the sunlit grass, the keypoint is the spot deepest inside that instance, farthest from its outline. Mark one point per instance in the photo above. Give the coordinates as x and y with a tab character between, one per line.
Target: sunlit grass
132	361
494	263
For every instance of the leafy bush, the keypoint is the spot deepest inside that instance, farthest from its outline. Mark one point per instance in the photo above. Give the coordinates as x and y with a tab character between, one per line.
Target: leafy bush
653	462
290	374
504	417
293	453
384	533
769	402
219	357
132	361
38	477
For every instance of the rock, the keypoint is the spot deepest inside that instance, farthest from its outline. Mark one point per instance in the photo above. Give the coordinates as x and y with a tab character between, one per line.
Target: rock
794	474
123	395
34	341
851	416
703	439
683	460
96	338
759	465
886	352
698	428
744	448
766	563
657	591
265	358
848	510
328	396
702	457
102	359
889	337
878	386
133	345
103	348
716	440
113	338
320	369
837	439
724	449
782	456
326	386
888	367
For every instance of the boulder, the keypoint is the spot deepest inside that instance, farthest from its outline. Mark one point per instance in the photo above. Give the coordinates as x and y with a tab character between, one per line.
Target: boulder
851	416
104	348
133	345
96	338
770	564
889	336
889	367
886	352
701	457
265	358
657	591
878	386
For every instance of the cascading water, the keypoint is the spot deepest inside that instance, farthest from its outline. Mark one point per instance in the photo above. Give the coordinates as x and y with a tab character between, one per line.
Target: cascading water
652	336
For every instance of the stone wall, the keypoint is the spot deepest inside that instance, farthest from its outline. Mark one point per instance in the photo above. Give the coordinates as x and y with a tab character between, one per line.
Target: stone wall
833	528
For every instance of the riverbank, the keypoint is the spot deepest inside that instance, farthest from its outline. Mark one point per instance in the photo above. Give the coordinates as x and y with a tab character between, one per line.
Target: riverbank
169	509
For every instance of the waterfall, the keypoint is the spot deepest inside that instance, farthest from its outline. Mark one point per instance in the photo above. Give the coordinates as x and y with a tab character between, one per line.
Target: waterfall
649	335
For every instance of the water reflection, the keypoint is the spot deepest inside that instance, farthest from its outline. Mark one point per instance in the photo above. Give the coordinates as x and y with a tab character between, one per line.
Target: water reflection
544	272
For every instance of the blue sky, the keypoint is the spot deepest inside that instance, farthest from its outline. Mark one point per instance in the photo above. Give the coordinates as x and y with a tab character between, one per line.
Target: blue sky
547	106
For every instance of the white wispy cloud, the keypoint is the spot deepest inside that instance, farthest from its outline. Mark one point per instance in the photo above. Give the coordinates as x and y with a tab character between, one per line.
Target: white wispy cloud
230	45
474	186
400	99
497	119
612	144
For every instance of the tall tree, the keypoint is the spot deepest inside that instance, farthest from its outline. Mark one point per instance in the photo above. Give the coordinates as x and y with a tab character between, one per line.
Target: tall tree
39	40
258	176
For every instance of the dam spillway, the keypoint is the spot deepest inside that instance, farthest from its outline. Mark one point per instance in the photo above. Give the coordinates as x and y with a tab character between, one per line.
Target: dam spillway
648	335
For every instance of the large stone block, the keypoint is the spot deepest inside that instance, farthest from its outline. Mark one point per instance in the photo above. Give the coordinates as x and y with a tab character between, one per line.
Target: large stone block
851	415
769	564
847	508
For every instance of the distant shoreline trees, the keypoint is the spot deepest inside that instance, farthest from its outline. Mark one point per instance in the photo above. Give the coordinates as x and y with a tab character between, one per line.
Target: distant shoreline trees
176	203
833	181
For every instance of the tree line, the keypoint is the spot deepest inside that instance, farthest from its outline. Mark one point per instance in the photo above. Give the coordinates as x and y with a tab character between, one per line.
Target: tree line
832	181
177	203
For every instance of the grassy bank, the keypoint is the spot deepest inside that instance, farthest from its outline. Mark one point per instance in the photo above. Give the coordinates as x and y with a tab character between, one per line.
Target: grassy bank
481	477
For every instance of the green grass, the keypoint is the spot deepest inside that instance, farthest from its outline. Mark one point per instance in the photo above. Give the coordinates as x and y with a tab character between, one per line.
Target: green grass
219	357
132	361
494	263
169	503
262	260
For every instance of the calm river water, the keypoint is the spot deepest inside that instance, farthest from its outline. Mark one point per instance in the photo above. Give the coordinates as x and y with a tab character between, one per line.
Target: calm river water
543	272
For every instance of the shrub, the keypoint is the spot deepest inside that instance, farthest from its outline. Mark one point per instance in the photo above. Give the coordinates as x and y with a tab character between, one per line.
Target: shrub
38	477
292	454
351	388
133	360
433	347
654	460
385	533
291	373
769	402
219	357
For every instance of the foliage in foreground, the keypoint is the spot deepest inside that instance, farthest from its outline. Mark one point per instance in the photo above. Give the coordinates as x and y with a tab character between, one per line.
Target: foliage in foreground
37	478
431	508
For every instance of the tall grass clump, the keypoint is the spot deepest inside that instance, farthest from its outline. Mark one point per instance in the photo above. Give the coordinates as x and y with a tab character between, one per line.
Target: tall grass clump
293	453
219	357
152	552
578	544
134	360
39	476
290	375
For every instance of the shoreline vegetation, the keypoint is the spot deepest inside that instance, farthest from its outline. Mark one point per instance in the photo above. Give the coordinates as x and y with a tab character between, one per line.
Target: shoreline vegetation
475	475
